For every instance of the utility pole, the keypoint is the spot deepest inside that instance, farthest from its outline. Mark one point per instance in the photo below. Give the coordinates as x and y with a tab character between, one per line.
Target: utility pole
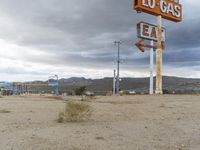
114	80
118	43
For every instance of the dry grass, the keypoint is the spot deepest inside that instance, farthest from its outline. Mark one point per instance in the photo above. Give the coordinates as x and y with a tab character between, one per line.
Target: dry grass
4	111
75	112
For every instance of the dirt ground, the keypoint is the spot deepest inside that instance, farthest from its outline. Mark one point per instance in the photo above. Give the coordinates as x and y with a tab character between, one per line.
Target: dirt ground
169	122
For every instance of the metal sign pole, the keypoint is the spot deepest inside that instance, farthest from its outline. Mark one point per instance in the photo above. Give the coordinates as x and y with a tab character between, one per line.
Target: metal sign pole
159	58
151	69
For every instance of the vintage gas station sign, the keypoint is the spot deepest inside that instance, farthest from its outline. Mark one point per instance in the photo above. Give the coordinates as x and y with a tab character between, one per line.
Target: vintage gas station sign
149	31
168	9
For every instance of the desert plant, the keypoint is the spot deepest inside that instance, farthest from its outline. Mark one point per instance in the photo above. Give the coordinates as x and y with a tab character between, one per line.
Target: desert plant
4	111
80	91
162	105
75	111
61	117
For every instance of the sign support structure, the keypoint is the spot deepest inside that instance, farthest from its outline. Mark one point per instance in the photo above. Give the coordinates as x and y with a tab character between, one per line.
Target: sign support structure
54	84
159	58
151	91
167	9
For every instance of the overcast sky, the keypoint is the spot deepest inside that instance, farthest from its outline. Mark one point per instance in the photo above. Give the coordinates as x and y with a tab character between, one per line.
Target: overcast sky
39	38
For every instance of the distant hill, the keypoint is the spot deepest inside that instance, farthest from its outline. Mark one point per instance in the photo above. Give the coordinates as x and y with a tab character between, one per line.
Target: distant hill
170	84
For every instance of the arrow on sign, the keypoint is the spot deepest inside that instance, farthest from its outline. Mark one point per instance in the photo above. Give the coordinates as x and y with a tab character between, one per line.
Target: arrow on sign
140	45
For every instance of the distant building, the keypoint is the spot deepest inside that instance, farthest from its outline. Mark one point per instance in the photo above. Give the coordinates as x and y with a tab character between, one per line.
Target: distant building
6	88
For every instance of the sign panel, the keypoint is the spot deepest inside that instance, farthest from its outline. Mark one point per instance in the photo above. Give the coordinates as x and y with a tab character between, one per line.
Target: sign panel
168	9
149	31
140	45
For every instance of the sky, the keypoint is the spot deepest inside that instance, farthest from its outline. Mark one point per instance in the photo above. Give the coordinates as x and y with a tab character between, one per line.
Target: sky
40	38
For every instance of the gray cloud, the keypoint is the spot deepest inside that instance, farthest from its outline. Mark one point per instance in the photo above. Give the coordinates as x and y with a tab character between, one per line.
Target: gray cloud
81	33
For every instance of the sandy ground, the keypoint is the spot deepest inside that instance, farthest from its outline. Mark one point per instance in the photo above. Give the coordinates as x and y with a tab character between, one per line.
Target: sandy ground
118	123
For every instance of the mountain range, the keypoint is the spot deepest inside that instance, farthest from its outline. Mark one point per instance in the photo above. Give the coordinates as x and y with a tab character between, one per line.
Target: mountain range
170	84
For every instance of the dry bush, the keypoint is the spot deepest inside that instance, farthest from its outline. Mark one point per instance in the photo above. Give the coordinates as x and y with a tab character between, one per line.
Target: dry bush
75	111
61	117
162	105
4	111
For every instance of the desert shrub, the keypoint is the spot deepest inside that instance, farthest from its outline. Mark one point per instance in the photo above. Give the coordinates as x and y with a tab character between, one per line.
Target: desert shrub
121	93
165	91
4	111
162	105
75	111
61	117
80	91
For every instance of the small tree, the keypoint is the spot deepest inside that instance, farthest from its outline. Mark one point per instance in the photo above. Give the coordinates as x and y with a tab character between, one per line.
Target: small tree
80	91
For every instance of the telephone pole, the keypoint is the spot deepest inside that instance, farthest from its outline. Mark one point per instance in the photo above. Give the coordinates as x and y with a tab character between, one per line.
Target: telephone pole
118	43
114	80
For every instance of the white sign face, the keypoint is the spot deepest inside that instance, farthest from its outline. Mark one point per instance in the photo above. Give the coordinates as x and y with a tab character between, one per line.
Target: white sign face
149	31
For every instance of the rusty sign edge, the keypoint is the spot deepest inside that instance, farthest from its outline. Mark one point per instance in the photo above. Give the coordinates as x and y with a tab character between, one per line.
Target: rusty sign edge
154	13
